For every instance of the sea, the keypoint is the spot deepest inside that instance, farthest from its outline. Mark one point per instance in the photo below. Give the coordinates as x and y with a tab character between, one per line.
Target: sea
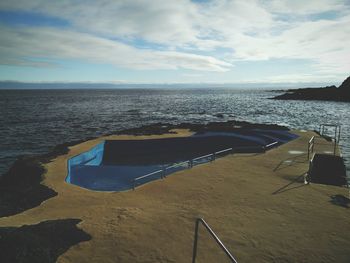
33	122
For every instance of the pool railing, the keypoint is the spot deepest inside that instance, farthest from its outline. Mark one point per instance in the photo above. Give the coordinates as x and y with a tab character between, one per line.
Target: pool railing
190	163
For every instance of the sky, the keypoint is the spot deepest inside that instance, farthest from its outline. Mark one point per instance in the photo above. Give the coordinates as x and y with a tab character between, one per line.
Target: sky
182	41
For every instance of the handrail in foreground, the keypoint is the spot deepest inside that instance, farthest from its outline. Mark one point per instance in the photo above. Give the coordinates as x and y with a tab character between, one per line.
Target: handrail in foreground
214	236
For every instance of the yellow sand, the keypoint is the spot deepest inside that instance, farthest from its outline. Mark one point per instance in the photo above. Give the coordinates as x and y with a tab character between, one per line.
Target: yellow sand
251	201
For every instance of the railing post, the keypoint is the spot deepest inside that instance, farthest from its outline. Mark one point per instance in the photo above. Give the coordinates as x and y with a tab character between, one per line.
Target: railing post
190	163
335	132
194	255
213	157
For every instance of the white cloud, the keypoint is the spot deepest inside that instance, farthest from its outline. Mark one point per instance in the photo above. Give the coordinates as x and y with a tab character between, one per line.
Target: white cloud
252	29
299	7
43	43
327	43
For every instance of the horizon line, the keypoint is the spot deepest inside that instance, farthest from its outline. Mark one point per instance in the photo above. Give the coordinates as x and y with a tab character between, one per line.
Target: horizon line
162	83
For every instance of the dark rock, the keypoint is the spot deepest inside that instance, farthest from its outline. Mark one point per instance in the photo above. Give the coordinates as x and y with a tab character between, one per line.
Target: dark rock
331	93
20	187
43	242
161	128
344	88
219	115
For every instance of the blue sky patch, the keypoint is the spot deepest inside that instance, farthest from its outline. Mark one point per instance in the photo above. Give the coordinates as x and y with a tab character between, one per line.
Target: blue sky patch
30	19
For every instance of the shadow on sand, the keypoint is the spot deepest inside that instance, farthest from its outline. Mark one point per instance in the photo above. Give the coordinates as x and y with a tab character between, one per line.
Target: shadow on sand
288	187
340	200
301	158
43	242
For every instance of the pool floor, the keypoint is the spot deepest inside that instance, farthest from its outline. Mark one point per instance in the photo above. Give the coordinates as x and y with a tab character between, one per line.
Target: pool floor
113	165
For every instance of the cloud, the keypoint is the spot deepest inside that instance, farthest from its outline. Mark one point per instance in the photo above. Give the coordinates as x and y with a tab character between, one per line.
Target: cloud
19	45
326	43
185	34
296	7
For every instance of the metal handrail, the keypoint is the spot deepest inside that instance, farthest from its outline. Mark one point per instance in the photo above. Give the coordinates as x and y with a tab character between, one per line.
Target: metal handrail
271	144
189	163
337	130
335	139
144	176
176	165
216	238
203	156
310	148
222	151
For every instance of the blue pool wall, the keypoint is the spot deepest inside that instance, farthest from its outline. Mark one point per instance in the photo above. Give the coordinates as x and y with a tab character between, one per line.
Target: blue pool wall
91	171
92	157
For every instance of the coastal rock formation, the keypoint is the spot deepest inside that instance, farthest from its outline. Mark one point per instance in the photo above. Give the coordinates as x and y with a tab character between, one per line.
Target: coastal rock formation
43	242
331	93
228	126
21	188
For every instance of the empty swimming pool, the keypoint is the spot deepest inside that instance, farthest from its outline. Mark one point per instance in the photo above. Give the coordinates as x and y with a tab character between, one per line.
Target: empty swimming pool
113	165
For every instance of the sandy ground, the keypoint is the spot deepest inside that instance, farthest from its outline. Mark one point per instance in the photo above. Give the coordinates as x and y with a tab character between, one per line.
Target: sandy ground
255	203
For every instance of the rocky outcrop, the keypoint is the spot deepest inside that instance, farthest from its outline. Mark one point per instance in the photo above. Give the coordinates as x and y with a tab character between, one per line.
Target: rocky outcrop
40	243
330	93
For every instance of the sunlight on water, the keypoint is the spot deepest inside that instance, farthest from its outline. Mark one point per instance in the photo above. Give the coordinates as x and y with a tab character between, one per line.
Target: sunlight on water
34	121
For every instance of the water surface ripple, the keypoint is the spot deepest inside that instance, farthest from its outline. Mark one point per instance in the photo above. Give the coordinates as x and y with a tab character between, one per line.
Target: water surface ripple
34	121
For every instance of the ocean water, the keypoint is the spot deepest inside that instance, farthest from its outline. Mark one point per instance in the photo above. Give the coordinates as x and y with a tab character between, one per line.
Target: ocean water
34	121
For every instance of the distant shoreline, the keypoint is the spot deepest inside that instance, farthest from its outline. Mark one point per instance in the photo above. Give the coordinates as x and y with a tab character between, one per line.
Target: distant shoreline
329	93
16	85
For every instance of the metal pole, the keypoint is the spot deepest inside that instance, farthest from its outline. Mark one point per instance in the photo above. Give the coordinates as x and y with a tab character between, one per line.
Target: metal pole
163	173
194	255
335	133
214	236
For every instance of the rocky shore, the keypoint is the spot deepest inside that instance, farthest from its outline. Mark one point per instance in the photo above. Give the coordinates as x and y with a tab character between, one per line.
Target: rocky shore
329	93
